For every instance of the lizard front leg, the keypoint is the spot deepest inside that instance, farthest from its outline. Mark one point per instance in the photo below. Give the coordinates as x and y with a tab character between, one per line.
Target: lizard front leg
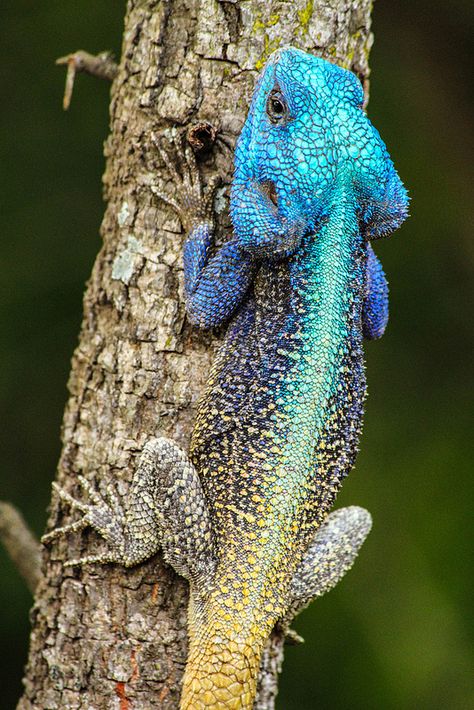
375	306
214	285
165	508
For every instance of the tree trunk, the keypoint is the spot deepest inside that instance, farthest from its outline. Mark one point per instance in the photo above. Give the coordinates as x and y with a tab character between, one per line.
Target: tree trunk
104	636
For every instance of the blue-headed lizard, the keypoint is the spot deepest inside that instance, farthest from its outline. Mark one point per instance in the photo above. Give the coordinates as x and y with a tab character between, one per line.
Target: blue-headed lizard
245	516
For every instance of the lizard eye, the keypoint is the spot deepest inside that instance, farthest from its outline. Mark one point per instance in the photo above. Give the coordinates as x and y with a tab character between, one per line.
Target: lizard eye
277	108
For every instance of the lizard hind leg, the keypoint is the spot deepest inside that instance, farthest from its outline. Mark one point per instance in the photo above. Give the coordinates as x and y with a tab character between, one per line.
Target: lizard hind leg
181	511
165	507
331	553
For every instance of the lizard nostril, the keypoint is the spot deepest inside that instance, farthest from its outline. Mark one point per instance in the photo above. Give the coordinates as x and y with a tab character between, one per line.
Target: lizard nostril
269	189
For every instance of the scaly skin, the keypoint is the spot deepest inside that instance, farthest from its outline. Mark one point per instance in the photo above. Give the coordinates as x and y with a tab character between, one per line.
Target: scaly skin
277	429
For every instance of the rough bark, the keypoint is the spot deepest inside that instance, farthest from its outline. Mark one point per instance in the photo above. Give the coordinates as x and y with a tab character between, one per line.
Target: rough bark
106	637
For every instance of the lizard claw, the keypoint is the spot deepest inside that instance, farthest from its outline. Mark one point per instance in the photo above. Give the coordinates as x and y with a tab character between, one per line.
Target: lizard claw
166	198
68	498
167	160
64	530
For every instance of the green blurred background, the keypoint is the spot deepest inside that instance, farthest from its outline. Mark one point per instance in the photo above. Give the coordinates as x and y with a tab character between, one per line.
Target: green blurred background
397	632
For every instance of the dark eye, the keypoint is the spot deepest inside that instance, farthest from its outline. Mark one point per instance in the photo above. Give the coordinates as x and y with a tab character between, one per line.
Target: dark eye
277	108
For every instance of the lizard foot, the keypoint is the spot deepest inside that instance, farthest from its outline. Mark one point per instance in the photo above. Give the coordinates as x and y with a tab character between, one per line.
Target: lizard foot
104	514
195	205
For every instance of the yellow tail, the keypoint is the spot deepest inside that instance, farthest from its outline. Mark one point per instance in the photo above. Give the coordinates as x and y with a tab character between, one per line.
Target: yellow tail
220	675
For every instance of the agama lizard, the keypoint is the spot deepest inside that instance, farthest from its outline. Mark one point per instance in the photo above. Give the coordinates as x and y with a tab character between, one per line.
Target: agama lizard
245	516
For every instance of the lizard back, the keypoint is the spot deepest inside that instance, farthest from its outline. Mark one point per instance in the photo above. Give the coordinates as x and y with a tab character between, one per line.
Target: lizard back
278	426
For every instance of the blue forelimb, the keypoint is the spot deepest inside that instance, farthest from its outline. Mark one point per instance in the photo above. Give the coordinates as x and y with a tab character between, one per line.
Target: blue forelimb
214	288
375	307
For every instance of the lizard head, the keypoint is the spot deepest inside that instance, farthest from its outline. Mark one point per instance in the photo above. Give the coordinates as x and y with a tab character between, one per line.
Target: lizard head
307	137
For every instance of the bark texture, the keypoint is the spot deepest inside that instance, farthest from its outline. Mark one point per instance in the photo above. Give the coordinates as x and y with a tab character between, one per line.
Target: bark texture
105	637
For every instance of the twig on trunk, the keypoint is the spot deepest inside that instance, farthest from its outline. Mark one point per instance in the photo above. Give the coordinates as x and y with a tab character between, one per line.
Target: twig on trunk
101	65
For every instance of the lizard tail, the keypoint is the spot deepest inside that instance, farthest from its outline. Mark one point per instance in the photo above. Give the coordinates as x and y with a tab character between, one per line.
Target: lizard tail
220	674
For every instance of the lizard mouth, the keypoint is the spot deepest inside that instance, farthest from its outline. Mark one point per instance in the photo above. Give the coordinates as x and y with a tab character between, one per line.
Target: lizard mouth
268	188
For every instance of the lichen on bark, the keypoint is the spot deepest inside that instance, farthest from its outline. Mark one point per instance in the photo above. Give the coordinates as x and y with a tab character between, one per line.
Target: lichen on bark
106	637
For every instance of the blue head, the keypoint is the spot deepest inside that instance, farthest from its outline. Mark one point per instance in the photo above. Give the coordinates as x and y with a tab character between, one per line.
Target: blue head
306	138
